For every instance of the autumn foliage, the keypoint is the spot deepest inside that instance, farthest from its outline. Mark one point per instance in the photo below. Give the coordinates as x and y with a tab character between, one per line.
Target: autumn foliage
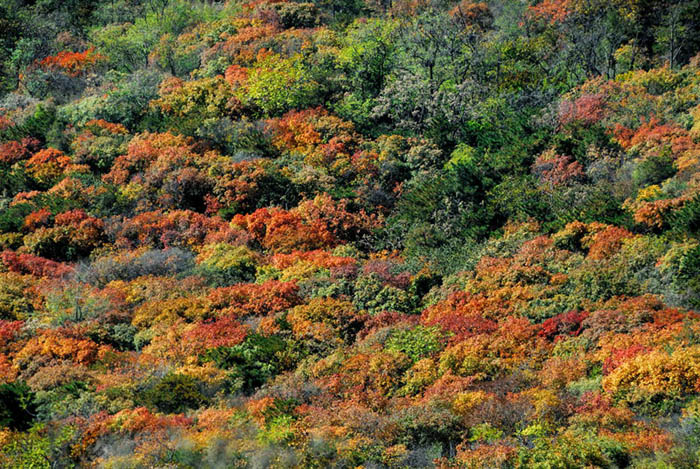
350	234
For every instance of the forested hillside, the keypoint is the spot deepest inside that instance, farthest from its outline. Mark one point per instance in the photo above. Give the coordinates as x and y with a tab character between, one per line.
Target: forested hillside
350	234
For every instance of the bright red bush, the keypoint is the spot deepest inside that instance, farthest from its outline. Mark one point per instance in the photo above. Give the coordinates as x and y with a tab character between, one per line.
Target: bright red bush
34	265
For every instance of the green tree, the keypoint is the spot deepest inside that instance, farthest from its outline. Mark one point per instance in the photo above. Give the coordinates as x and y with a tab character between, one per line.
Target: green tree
175	393
251	363
17	409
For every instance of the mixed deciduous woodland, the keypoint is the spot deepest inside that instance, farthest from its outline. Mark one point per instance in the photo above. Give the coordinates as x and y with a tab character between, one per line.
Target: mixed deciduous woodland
350	234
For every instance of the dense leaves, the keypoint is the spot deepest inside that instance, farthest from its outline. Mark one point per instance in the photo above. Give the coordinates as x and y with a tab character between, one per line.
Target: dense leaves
350	233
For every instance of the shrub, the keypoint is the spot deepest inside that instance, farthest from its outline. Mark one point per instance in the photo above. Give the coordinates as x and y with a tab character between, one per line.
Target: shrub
375	297
654	170
121	336
297	15
565	323
656	373
17	408
251	363
175	393
130	265
325	320
687	219
14	301
277	85
34	265
99	144
416	343
74	235
48	166
12	218
573	450
189	103
127	103
223	264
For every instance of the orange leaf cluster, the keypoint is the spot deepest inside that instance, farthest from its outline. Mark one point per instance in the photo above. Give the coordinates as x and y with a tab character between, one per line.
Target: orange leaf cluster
48	165
34	265
263	299
73	63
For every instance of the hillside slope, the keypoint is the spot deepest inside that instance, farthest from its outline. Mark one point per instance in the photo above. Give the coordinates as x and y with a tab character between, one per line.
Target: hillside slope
349	233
